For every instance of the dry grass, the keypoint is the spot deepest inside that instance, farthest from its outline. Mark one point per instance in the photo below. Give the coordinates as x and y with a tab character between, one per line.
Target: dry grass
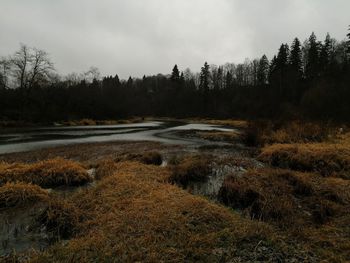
286	197
219	136
233	123
149	157
61	218
133	216
105	168
260	133
325	158
190	168
47	174
91	122
18	194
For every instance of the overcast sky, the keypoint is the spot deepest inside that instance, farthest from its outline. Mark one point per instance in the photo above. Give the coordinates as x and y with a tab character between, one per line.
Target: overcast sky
136	37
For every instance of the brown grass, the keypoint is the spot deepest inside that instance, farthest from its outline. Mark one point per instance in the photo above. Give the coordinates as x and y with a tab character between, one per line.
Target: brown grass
286	197
18	194
233	123
219	136
133	216
190	168
325	158
89	122
61	218
149	157
260	133
49	173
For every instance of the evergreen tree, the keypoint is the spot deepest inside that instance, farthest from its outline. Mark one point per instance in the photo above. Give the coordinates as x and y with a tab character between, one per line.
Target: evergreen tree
204	78
295	58
312	65
325	54
348	44
263	70
175	75
228	80
272	68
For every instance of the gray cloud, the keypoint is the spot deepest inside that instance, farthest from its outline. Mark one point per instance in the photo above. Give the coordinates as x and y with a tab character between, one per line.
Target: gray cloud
136	37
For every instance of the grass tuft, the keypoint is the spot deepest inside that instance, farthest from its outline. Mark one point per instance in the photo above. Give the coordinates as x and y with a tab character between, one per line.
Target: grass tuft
191	168
47	174
18	194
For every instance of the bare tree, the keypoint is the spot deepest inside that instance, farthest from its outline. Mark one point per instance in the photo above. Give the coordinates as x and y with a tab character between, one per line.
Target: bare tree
31	66
20	61
41	67
5	67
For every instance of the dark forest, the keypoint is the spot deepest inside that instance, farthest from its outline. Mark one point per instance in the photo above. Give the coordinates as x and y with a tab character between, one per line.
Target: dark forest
308	80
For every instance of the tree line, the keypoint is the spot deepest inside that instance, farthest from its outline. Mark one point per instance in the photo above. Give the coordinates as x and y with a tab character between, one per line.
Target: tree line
303	80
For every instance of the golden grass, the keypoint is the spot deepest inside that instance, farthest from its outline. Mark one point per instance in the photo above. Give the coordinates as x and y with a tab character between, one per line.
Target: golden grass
325	158
61	218
149	157
260	133
48	173
219	136
229	122
286	197
18	194
190	168
133	216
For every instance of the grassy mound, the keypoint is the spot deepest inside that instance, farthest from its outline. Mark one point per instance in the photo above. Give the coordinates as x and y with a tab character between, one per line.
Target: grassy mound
287	198
154	158
61	218
17	194
260	133
325	158
134	216
49	173
192	168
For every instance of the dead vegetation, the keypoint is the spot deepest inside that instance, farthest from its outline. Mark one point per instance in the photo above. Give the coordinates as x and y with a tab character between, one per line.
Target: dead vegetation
47	174
149	157
260	133
135	216
286	197
190	168
328	159
91	122
219	136
19	194
61	218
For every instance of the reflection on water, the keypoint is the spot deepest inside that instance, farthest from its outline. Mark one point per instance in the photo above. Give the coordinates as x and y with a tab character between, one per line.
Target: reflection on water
35	138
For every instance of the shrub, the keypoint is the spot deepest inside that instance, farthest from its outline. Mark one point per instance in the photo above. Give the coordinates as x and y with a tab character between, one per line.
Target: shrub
17	194
49	173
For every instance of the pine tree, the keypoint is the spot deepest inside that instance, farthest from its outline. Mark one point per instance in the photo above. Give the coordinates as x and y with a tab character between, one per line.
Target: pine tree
312	65
228	80
204	78
282	57
263	70
348	44
295	58
175	75
325	54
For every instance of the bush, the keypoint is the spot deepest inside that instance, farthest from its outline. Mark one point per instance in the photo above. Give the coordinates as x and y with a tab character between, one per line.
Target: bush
17	194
